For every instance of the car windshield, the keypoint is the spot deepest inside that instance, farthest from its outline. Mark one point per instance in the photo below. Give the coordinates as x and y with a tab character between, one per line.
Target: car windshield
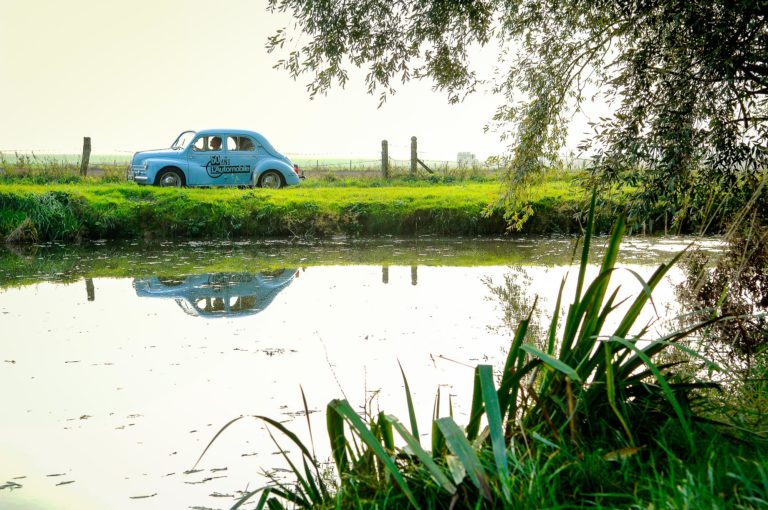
182	140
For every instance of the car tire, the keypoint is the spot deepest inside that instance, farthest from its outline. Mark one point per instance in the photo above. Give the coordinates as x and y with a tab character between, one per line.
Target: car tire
271	179
170	178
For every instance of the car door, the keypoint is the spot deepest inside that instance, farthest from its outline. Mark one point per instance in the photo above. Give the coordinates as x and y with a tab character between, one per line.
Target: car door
241	156
207	162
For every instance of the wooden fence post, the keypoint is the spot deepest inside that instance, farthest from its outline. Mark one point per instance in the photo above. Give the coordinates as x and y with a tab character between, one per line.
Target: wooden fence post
90	290
384	159
385	274
414	156
86	155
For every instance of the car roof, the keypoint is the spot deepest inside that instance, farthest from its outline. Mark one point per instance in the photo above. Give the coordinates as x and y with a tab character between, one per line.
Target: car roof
208	132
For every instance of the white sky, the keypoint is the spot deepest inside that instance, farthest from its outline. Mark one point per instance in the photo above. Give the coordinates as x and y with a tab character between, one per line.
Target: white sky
133	74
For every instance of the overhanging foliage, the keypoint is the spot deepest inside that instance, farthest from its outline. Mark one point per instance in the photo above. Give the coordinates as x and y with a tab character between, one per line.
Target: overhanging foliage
686	80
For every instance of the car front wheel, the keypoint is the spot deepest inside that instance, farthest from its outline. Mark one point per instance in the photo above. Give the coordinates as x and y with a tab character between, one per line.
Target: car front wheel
271	179
170	178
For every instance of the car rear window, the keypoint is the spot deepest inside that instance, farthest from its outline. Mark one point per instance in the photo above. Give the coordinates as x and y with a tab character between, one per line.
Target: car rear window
240	143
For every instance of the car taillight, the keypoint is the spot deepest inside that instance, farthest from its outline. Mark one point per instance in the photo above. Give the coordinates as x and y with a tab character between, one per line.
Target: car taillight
296	169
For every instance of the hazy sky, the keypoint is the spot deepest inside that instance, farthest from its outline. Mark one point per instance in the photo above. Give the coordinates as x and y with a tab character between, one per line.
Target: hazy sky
133	74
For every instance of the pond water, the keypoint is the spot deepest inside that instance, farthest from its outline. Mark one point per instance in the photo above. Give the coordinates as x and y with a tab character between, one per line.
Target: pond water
120	362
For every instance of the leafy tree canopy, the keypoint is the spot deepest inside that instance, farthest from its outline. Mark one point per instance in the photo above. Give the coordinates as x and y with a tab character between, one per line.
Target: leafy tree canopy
686	80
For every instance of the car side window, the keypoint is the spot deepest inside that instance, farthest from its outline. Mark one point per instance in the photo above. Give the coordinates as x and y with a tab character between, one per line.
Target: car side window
207	143
240	143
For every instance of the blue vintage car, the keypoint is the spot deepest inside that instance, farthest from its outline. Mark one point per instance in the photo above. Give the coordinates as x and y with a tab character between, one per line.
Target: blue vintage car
215	157
218	294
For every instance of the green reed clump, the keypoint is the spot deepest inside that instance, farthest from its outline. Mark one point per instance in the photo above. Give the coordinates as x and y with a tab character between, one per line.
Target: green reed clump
53	215
581	417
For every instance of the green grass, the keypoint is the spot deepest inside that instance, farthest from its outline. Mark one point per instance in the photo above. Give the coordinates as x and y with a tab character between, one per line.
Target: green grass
93	210
580	417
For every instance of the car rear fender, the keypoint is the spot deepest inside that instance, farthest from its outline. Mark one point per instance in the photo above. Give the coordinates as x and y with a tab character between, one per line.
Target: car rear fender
285	169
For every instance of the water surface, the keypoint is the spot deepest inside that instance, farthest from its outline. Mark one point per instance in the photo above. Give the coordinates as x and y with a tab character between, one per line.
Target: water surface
119	362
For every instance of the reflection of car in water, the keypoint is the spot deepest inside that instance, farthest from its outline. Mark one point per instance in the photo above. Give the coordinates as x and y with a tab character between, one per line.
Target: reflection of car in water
218	294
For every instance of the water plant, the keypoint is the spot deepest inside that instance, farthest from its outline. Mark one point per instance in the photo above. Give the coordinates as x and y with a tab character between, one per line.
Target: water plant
550	431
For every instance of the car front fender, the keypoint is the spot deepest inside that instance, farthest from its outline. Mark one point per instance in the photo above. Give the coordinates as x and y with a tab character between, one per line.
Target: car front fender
154	165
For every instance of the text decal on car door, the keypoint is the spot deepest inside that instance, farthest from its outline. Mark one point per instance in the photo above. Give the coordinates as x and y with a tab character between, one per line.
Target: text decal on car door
218	166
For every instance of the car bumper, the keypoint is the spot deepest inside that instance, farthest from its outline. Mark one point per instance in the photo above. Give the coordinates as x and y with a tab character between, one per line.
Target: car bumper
137	174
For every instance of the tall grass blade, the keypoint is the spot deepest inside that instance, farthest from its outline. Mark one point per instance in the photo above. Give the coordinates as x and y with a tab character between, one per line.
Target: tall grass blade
456	468
422	455
274	504
476	409
344	410
629	366
585	320
335	425
493	414
287	493
610	385
309	423
614	243
553	362
634	311
260	503
597	358
507	391
438	441
313	459
262	500
293	437
385	428
538	437
459	445
664	386
552	332
308	483
585	248
319	492
409	400
222	429
711	365
593	304
303	492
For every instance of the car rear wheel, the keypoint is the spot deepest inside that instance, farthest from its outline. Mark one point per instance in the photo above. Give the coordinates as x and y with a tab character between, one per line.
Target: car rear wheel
271	179
170	178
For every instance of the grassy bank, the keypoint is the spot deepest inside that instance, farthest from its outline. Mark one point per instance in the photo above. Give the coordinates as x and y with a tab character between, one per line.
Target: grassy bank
126	211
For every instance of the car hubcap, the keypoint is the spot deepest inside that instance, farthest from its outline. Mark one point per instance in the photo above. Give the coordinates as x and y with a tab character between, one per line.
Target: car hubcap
172	180
271	180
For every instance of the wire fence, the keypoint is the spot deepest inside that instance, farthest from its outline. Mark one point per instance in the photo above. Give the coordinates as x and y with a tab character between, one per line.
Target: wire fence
395	166
34	158
313	165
